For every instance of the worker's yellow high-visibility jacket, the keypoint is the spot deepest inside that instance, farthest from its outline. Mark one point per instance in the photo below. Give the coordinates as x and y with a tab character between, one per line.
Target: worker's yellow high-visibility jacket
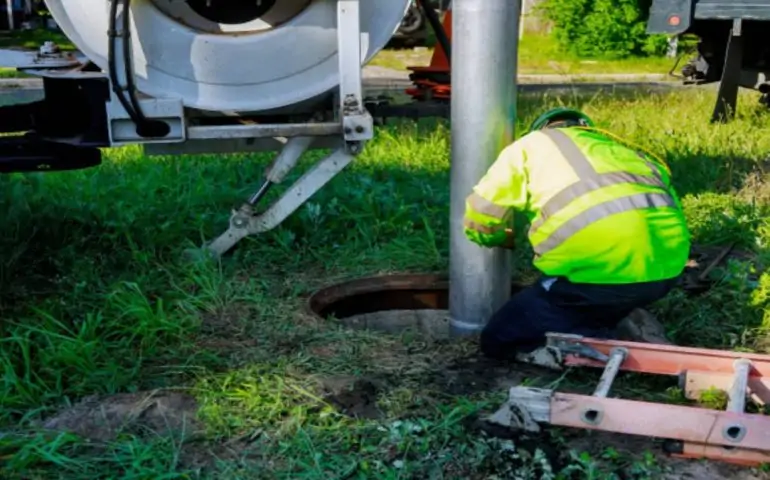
599	211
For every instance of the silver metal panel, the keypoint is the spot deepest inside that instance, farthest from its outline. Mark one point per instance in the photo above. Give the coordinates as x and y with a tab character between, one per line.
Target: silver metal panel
485	38
123	130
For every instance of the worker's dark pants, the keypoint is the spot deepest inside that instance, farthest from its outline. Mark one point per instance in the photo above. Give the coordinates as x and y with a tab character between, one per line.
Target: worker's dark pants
582	309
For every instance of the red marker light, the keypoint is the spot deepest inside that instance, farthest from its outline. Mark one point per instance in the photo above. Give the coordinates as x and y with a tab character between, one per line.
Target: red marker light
674	20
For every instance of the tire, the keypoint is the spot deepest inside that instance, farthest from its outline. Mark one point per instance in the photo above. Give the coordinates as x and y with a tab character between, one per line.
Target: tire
413	21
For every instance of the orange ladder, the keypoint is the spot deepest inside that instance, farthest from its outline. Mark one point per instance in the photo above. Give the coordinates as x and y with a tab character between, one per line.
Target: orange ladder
433	82
732	435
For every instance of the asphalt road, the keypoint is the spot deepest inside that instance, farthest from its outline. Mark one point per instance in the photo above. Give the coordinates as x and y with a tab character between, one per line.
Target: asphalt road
378	80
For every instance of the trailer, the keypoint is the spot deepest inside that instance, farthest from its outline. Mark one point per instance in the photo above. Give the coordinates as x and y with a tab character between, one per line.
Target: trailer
731	48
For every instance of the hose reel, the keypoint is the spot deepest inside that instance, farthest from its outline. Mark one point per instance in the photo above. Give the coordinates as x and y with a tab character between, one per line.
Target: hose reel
230	55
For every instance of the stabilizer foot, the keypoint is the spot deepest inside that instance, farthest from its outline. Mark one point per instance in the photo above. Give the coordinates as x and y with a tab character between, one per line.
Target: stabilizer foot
727	96
244	222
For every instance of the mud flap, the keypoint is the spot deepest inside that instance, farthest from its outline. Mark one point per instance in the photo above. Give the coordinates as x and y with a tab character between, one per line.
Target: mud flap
25	154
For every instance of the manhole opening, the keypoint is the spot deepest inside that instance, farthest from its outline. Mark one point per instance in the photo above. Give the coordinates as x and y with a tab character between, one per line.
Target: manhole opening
392	304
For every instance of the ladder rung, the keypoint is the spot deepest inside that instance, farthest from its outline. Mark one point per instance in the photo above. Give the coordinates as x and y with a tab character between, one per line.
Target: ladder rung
740	386
617	357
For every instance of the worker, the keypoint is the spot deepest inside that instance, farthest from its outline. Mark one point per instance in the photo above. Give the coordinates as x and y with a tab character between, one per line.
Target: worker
606	227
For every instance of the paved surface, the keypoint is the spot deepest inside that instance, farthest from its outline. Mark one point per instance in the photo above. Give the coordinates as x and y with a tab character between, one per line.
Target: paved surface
380	81
379	78
385	81
375	75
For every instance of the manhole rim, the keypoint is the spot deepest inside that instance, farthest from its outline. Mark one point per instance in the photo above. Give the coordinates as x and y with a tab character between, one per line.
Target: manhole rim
326	297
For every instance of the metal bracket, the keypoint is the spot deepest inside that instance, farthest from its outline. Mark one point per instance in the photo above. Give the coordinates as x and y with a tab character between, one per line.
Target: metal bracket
244	223
525	409
571	345
357	122
122	128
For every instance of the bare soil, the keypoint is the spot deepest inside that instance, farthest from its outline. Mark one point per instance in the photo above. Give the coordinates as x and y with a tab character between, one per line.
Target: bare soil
354	396
428	323
102	418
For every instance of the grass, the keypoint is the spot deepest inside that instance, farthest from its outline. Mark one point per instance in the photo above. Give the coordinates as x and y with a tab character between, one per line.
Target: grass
33	39
95	299
539	54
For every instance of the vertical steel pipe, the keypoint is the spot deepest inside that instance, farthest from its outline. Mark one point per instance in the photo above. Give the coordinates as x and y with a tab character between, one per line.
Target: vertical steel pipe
483	63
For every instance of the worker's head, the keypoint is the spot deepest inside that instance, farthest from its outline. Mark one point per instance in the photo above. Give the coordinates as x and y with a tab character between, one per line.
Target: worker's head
560	118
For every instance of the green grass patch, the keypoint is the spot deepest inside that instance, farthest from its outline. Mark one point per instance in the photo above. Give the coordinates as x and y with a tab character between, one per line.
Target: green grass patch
33	39
539	54
96	299
6	72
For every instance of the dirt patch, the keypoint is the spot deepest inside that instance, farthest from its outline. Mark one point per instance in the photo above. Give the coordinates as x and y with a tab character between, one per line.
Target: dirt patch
226	322
204	456
477	374
226	330
429	323
437	362
354	396
323	352
103	418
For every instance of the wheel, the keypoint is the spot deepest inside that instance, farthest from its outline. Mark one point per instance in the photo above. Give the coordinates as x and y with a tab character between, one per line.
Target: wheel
413	21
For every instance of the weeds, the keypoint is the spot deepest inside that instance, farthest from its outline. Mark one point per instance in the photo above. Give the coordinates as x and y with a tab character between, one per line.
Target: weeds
95	299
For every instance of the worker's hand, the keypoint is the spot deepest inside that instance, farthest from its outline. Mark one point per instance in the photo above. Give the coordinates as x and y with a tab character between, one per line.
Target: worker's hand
509	242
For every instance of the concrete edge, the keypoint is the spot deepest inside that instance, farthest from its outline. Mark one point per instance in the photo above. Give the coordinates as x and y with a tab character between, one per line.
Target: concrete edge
396	79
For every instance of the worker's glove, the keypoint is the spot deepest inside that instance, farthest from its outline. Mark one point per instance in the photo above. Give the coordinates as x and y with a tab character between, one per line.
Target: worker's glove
509	242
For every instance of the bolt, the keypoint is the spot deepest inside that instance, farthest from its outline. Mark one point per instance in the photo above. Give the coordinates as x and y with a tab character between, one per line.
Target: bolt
239	222
354	148
359	129
348	130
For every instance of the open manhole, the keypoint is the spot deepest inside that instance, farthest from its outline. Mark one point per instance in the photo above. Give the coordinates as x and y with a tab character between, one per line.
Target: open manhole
389	303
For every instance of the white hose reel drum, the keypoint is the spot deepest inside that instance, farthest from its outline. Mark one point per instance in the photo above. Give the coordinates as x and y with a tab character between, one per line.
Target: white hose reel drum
230	55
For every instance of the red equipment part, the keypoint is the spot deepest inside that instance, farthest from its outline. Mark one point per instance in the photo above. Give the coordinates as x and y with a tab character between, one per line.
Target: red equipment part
433	82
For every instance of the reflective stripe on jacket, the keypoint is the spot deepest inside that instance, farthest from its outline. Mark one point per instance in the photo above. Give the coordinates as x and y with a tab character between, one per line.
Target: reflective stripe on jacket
599	211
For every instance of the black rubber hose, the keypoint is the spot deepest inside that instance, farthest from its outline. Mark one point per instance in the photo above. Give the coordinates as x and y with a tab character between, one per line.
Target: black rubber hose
112	67
438	28
144	127
127	63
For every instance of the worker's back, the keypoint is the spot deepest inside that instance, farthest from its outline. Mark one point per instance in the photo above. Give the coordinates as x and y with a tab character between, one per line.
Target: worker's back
600	212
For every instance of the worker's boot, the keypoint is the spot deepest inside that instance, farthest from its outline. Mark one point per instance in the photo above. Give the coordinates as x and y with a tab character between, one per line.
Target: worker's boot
642	326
